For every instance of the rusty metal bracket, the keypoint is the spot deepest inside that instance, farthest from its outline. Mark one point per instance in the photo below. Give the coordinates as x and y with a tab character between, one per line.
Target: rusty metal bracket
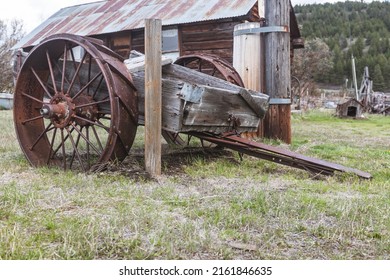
259	30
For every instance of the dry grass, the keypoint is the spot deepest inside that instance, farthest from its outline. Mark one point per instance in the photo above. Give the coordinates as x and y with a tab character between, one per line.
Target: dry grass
207	205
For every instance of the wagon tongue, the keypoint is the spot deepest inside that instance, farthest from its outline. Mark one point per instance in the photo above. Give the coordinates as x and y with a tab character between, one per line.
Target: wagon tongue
278	155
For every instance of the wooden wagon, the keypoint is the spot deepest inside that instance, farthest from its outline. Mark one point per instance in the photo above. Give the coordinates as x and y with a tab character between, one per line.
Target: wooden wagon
78	101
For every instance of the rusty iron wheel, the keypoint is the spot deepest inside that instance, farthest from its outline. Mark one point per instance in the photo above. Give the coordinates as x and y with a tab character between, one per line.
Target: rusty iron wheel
75	106
211	65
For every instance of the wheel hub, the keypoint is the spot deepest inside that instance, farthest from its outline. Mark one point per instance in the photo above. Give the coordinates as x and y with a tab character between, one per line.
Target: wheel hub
59	110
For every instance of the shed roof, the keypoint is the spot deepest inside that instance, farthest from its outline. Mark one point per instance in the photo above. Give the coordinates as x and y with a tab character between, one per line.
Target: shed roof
351	101
118	15
111	16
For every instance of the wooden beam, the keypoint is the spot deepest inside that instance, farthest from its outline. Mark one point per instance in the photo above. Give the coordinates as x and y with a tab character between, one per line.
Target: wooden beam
277	123
153	100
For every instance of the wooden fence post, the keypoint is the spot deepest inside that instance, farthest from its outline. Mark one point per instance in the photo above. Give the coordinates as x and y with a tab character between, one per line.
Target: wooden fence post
153	99
277	70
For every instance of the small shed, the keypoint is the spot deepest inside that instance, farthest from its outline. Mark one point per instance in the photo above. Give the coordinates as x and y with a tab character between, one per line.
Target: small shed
189	26
352	108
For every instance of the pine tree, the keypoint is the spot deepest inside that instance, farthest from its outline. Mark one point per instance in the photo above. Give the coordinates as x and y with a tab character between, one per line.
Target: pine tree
379	81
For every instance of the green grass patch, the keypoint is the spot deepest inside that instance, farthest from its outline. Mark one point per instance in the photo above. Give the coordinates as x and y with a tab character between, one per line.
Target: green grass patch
205	206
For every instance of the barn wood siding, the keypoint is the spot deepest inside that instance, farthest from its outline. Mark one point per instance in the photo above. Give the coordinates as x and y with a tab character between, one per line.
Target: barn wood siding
210	38
138	41
121	43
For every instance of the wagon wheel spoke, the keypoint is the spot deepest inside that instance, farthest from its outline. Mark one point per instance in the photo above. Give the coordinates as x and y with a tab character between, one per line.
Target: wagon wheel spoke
75	150
63	78
88	148
87	85
51	145
41	82
97	138
214	71
33	98
63	148
51	70
75	63
77	68
86	139
100	124
93	103
98	87
61	144
32	119
92	123
89	71
47	129
200	65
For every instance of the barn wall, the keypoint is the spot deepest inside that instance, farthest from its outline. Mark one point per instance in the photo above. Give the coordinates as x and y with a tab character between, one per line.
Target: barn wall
119	42
138	41
210	38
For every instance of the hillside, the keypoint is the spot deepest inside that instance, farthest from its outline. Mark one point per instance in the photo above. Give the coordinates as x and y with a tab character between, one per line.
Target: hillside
344	29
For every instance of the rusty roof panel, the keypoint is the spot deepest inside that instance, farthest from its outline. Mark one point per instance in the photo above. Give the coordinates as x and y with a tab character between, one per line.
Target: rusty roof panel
118	15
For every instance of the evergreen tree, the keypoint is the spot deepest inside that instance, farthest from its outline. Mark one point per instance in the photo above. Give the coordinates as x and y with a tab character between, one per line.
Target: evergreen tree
356	28
379	81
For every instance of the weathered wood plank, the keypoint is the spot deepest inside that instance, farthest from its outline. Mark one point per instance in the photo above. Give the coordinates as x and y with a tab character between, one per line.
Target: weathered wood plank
172	105
208	36
136	62
201	46
219	108
153	100
277	77
277	49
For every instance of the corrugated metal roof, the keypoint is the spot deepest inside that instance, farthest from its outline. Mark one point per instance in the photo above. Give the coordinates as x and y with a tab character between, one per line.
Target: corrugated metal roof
118	15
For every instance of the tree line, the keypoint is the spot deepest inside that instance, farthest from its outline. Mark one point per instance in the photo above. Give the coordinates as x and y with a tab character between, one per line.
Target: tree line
336	32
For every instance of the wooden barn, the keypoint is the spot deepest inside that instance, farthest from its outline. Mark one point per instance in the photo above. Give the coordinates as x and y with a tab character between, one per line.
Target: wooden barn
350	109
193	27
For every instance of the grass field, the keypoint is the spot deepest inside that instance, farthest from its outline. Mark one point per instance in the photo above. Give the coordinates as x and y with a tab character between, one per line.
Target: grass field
206	205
